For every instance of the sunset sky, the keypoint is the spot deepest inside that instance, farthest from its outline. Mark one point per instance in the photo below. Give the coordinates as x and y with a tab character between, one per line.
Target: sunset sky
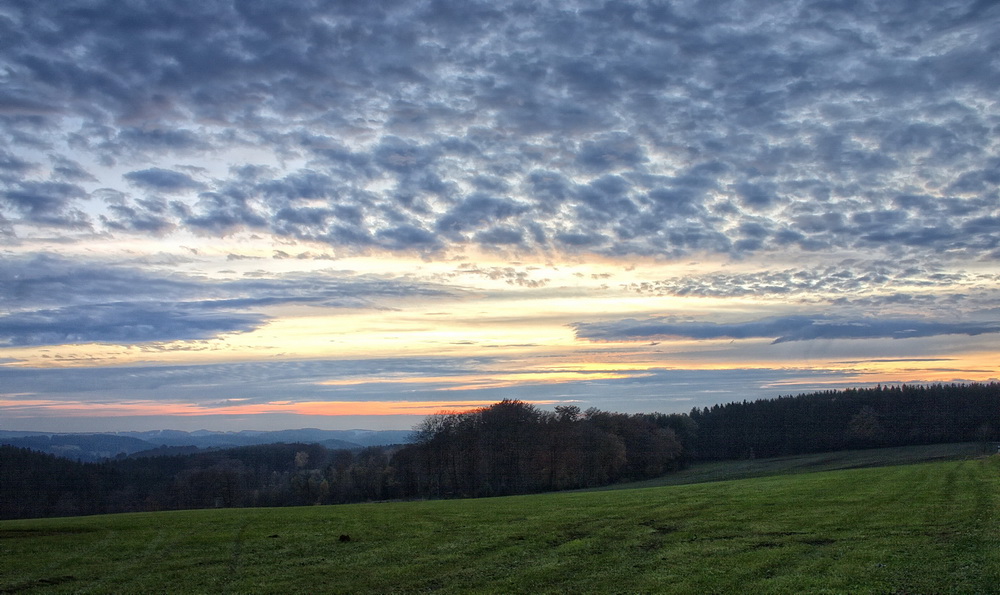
274	214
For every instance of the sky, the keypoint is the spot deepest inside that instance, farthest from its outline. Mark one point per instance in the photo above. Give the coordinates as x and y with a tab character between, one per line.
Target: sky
241	214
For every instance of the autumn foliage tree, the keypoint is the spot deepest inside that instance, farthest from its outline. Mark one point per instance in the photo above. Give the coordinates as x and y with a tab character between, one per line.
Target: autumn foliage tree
512	447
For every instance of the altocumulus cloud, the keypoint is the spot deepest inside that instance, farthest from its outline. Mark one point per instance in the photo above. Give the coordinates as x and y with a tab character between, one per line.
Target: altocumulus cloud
838	159
164	180
614	128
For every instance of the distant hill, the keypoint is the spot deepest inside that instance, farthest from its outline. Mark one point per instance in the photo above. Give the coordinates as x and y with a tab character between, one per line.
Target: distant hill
102	446
79	447
328	438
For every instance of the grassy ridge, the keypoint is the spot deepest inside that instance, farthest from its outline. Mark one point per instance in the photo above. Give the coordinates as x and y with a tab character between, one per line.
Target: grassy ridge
827	461
922	528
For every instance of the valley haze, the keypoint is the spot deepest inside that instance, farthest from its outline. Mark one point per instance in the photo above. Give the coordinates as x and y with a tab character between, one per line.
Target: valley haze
101	446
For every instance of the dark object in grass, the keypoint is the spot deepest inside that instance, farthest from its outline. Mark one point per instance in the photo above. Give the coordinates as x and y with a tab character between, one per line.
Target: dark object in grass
345	538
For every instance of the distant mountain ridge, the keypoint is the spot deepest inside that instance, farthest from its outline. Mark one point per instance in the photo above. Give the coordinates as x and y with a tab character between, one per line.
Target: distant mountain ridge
92	447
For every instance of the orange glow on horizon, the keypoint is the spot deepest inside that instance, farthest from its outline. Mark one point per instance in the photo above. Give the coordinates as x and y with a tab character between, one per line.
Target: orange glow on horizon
49	407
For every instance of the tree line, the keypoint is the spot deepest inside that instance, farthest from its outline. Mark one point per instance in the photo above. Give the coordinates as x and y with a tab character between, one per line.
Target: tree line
36	484
510	447
855	418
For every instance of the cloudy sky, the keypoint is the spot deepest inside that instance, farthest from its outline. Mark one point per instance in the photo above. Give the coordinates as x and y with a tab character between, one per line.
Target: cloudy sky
263	214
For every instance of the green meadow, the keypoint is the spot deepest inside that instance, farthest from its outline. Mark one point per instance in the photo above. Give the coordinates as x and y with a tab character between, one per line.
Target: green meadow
915	528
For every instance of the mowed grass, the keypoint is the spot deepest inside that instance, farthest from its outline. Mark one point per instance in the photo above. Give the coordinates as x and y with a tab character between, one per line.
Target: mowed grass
921	528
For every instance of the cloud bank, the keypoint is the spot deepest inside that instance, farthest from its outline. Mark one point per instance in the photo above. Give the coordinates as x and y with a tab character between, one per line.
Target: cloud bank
54	301
781	329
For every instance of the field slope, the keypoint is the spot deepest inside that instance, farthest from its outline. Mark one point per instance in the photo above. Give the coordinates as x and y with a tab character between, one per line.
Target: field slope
921	528
809	463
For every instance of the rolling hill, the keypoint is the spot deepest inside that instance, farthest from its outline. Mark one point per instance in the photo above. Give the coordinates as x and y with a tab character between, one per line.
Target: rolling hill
917	528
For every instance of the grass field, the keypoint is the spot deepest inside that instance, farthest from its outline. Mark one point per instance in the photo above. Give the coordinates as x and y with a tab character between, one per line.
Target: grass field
918	528
827	461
